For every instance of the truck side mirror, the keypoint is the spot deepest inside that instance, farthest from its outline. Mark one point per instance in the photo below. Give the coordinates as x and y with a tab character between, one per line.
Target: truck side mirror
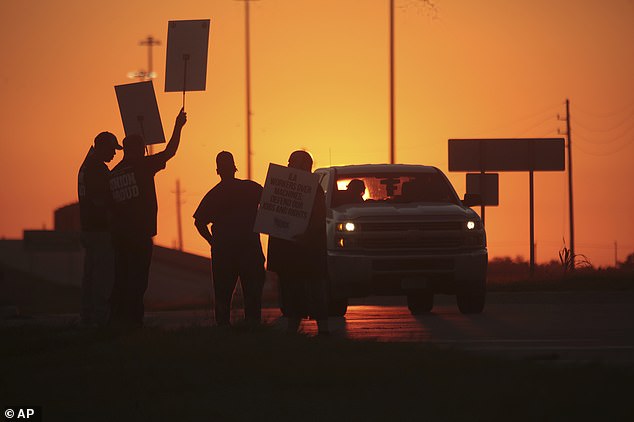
472	199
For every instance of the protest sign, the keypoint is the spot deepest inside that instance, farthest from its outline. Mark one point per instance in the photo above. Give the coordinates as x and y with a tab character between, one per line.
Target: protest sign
186	61
139	111
287	202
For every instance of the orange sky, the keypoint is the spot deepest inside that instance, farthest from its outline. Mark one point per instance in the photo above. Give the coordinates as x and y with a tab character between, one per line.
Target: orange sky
320	81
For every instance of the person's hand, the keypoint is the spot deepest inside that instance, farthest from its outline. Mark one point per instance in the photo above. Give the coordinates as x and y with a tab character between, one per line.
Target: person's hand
181	119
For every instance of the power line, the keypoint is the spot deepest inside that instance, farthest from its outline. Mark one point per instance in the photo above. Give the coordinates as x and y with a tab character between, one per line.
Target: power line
535	126
603	153
616	136
608	114
611	139
513	123
629	119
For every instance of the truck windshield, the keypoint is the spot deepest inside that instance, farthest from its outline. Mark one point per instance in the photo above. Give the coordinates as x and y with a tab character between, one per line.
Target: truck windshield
393	188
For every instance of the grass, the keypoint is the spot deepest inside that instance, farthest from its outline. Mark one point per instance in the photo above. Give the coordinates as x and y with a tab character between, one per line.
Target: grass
241	374
593	280
34	295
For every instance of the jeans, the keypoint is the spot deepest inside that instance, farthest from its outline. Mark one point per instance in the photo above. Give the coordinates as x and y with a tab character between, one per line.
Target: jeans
304	294
98	276
132	257
226	266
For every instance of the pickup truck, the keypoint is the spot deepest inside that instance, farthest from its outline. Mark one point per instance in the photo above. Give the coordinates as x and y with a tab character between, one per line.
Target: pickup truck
405	232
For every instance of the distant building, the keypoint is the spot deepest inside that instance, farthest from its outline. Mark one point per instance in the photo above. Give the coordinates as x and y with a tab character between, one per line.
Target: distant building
177	279
66	218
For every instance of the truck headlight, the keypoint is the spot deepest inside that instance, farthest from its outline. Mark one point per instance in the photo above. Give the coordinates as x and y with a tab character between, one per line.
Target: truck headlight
473	225
347	227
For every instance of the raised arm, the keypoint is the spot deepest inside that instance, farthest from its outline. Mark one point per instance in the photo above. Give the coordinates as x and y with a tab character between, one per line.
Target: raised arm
172	145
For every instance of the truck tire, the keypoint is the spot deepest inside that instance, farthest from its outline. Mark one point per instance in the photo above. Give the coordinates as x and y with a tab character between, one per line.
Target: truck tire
337	307
420	302
472	302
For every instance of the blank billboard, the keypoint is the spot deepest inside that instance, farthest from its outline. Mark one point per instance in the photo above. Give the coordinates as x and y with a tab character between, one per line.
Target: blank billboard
522	154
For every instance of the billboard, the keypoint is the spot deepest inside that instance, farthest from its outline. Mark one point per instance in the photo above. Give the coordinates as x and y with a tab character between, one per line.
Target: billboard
520	154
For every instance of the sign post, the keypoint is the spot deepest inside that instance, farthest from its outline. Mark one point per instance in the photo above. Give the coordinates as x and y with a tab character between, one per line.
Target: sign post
510	154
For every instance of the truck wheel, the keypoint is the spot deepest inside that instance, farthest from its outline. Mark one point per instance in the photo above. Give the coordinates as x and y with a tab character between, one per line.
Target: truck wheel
337	307
420	303
471	302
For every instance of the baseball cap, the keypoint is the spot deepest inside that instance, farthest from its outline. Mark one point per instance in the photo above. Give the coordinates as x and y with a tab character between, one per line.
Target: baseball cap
107	139
224	159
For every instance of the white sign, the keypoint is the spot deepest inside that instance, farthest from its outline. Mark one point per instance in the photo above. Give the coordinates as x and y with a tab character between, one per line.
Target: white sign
139	111
186	63
287	202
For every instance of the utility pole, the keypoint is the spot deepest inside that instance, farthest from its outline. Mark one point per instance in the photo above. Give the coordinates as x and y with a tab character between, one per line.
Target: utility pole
179	226
570	203
571	217
392	88
247	48
616	255
146	75
248	82
150	42
531	218
392	158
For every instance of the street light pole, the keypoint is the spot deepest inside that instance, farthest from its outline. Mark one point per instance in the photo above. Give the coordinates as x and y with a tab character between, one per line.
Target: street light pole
150	42
392	159
248	82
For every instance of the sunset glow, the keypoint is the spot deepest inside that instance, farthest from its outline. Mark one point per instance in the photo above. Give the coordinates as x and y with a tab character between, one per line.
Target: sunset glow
464	69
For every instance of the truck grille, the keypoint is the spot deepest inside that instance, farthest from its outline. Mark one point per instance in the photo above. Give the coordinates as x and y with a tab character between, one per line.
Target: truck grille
408	242
409	264
411	225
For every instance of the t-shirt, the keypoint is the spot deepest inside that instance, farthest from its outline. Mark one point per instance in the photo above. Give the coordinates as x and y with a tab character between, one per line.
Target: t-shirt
231	207
94	194
134	195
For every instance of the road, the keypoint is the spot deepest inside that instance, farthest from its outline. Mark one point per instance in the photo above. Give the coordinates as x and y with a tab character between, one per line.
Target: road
555	326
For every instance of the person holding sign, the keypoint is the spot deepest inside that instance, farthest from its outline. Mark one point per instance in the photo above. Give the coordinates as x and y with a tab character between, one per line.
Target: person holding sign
94	213
134	222
301	263
230	207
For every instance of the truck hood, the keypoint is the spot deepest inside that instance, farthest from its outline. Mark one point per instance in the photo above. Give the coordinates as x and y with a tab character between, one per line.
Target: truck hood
405	211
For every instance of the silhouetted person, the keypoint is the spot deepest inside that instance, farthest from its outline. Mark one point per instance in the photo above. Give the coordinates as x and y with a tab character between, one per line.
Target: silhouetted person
301	264
355	191
134	222
95	204
230	207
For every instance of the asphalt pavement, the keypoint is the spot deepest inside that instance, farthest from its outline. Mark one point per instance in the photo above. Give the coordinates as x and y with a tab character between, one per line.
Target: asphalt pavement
549	326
